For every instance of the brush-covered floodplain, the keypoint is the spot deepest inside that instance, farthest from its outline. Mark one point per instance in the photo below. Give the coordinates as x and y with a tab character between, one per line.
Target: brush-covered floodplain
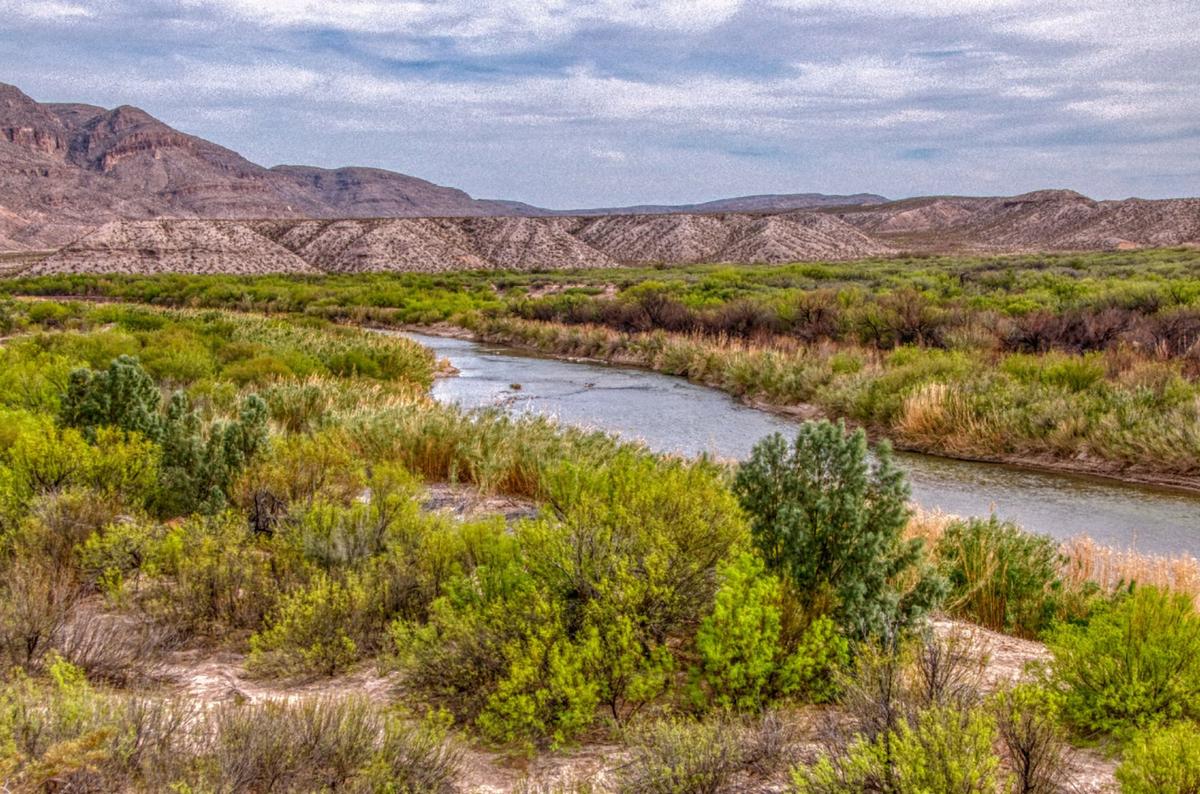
251	553
1080	362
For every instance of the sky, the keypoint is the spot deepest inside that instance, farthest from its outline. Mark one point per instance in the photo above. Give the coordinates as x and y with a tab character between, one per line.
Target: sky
609	102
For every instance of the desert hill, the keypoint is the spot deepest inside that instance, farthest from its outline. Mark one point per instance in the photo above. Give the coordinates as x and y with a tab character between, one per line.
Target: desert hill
1040	221
307	246
120	191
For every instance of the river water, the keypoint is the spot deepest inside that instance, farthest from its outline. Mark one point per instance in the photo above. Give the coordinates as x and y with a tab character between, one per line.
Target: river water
672	415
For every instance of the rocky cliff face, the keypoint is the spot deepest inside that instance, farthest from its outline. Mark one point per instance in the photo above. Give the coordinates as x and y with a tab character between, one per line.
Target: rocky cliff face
65	168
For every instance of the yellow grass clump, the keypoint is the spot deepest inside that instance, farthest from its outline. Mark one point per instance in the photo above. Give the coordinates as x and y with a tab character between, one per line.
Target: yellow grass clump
1085	560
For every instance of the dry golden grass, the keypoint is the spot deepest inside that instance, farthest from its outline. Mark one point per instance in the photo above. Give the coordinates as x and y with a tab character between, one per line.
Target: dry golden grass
1085	560
1089	561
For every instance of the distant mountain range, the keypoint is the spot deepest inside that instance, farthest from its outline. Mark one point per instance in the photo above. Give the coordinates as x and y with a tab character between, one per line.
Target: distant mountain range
120	191
63	167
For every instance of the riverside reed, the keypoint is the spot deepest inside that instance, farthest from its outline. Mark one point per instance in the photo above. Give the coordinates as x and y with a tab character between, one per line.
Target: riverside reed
1086	362
663	605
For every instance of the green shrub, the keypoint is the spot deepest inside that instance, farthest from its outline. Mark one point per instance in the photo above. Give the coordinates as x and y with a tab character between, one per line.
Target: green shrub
945	749
334	536
313	630
326	744
258	370
123	396
832	523
1000	576
632	557
12	317
124	467
210	574
942	749
61	735
296	470
36	601
546	690
495	652
751	656
43	458
410	759
1031	735
116	552
47	313
1136	664
177	356
1162	761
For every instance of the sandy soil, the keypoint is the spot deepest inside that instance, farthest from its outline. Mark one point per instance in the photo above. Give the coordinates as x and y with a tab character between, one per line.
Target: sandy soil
208	677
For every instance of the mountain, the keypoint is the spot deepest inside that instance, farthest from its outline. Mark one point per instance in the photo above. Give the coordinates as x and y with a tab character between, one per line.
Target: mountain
773	202
65	168
120	191
376	245
1043	220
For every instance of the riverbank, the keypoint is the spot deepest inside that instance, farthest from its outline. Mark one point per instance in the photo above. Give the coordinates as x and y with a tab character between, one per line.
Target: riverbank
649	351
287	598
655	353
1077	365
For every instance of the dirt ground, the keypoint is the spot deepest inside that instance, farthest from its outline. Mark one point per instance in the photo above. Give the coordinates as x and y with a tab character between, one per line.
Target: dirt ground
216	677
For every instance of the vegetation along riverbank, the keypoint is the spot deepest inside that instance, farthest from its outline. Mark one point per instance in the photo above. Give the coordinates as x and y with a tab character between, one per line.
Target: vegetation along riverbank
1084	363
224	569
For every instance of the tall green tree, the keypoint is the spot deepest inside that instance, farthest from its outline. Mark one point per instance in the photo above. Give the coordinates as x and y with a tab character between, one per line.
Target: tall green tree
832	522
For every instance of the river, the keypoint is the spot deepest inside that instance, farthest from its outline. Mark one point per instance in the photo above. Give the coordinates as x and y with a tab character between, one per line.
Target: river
672	415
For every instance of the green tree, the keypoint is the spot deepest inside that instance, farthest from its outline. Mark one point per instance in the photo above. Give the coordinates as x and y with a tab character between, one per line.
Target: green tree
198	463
827	519
123	396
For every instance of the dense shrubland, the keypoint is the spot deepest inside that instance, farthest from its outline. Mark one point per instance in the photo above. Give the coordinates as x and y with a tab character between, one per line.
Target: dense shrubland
1088	361
199	480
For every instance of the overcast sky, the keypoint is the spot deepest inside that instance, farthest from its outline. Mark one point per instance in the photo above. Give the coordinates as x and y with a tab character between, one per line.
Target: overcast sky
571	104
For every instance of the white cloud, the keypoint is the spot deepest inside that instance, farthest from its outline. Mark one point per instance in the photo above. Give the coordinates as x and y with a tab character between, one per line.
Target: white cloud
822	92
892	8
44	10
865	77
908	116
494	25
611	155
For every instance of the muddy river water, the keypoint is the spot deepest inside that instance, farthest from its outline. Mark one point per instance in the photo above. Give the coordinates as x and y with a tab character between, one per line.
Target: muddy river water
671	415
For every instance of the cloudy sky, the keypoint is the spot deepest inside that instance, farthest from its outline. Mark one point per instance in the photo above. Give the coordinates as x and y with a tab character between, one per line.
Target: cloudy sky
570	104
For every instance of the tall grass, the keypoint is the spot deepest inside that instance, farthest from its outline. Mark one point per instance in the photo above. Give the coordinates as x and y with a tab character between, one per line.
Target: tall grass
1086	564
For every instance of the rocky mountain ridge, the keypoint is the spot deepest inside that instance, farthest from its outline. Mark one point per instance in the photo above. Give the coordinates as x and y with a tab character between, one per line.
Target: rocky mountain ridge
65	168
120	191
